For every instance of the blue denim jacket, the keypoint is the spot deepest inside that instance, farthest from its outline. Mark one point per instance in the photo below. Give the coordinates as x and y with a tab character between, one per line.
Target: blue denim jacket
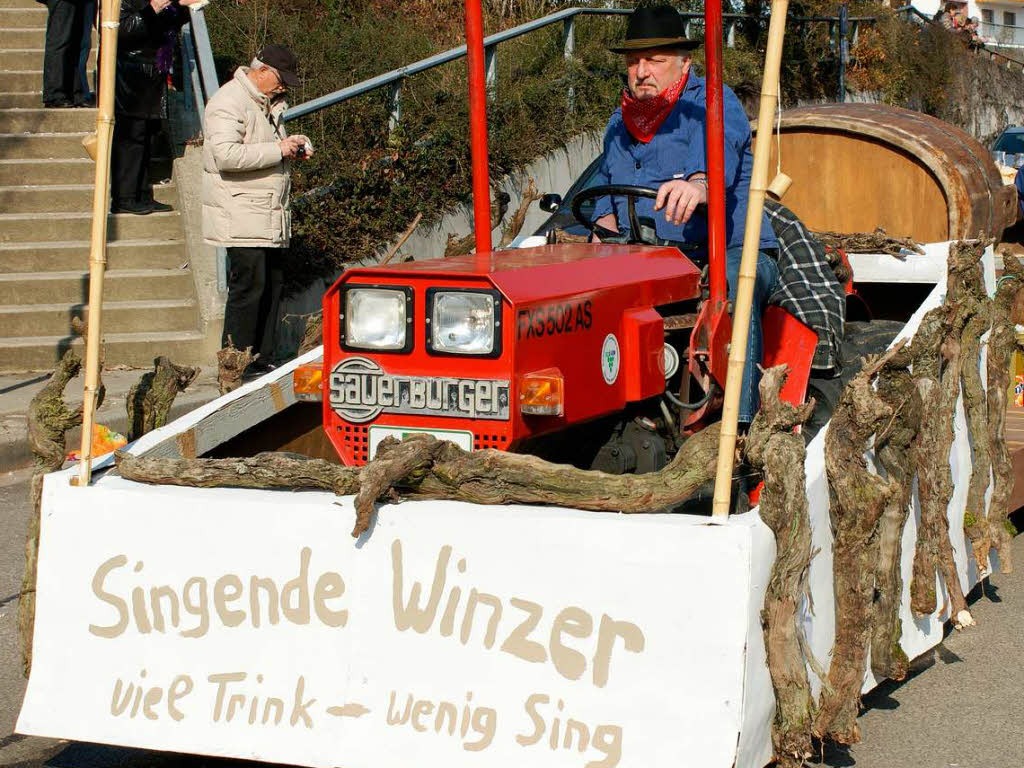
678	151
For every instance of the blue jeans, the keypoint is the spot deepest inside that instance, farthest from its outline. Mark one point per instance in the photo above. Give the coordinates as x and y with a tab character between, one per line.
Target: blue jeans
764	286
89	12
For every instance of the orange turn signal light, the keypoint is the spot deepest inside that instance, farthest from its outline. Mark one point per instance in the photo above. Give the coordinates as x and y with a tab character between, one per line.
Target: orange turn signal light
308	382
542	393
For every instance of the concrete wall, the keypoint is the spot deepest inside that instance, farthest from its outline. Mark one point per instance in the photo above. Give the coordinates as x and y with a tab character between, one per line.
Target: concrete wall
986	98
188	176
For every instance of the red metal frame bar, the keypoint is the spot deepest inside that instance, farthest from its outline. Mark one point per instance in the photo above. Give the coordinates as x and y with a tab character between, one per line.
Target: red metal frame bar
715	142
478	124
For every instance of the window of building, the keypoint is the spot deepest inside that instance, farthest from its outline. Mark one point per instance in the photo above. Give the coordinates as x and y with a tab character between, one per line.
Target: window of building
1009	19
987	16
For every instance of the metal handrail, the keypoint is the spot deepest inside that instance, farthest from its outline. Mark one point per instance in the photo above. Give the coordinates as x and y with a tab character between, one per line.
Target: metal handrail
201	79
204	53
396	75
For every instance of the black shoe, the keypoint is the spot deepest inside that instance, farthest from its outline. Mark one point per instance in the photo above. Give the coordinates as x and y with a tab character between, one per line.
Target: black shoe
156	207
256	369
88	103
131	206
261	366
58	104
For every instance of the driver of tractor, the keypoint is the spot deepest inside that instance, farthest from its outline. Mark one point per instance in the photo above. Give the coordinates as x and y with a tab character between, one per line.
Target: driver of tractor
656	139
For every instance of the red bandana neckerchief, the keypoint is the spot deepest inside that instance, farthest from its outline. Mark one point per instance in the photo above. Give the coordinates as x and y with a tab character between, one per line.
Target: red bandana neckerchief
643	117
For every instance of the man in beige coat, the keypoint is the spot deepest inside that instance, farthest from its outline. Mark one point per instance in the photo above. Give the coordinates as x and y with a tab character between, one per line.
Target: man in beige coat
246	186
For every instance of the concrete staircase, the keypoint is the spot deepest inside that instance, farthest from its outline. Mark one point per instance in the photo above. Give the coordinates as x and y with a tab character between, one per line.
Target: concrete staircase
46	190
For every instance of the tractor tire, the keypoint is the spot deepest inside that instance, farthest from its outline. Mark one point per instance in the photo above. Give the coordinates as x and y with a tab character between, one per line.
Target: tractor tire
861	338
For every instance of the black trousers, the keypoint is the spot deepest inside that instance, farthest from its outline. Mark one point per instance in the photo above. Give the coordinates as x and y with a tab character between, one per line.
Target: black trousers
64	25
252	286
129	159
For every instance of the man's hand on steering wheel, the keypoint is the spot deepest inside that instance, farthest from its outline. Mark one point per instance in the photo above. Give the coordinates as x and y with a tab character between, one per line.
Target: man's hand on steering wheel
680	198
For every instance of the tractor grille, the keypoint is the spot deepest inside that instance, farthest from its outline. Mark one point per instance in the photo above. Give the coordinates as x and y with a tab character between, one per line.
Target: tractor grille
490	441
356	442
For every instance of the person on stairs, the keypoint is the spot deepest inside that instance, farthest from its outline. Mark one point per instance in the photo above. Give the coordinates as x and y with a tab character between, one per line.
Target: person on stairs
64	23
84	95
247	157
145	41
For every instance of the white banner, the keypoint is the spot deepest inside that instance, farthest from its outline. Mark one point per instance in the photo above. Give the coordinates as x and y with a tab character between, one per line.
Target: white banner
250	624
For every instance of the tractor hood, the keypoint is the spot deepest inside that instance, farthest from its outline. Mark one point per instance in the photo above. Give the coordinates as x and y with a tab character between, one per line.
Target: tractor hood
529	275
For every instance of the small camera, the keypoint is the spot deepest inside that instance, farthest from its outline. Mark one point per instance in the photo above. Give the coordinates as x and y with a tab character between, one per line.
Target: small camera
301	151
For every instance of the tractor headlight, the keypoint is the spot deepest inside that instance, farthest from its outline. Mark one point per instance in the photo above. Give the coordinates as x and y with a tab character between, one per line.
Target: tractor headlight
377	318
464	322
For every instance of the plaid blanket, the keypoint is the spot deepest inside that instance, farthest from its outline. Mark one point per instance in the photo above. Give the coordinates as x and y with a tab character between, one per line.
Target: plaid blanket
808	287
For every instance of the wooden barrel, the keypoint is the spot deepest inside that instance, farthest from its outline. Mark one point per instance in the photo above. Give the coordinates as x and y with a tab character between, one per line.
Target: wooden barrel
856	167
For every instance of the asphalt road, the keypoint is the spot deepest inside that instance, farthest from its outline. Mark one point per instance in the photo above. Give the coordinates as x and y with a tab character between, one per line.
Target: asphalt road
958	709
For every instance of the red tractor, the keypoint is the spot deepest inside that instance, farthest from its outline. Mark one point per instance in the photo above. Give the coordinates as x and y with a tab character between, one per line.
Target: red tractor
599	355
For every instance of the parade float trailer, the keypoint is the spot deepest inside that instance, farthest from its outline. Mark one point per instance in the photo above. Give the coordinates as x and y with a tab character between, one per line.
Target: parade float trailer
248	623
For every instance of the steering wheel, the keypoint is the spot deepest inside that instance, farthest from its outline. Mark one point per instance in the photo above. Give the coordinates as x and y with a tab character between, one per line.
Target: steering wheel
629	191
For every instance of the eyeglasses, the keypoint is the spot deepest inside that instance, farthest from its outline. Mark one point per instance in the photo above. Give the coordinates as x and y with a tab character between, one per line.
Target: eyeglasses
281	87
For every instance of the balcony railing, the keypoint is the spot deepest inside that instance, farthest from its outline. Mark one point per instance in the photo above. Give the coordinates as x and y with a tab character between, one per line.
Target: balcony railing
1001	34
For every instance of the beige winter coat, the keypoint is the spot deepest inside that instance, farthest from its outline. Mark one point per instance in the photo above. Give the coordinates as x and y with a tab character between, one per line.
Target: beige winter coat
246	182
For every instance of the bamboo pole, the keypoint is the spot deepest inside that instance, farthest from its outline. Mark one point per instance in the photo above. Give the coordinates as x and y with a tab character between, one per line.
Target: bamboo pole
748	264
110	21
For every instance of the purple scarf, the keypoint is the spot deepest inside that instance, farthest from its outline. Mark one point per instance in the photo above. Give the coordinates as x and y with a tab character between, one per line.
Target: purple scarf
165	53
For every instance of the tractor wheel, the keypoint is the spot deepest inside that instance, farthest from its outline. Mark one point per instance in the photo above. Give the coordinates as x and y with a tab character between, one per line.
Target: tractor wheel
861	338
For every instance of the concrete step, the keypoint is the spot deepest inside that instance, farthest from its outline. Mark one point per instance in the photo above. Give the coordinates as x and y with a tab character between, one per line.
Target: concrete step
64	198
30	58
35	227
21	146
40	353
74	256
22	79
23	18
21	38
40	120
15	172
25	288
64	171
118	317
23	100
19	4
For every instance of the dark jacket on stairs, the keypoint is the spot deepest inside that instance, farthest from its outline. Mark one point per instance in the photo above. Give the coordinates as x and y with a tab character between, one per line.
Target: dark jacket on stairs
143	32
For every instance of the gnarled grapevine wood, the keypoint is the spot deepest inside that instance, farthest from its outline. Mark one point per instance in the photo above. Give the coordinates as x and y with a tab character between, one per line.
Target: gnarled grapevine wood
231	364
312	333
774	448
938	381
972	300
857	500
49	419
150	400
424	468
1001	344
869	242
893	449
512	228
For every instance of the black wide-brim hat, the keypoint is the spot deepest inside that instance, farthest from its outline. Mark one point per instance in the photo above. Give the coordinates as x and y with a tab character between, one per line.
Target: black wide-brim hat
656	26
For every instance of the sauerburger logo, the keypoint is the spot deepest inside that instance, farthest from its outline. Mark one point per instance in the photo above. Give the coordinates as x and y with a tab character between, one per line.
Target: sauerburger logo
360	390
